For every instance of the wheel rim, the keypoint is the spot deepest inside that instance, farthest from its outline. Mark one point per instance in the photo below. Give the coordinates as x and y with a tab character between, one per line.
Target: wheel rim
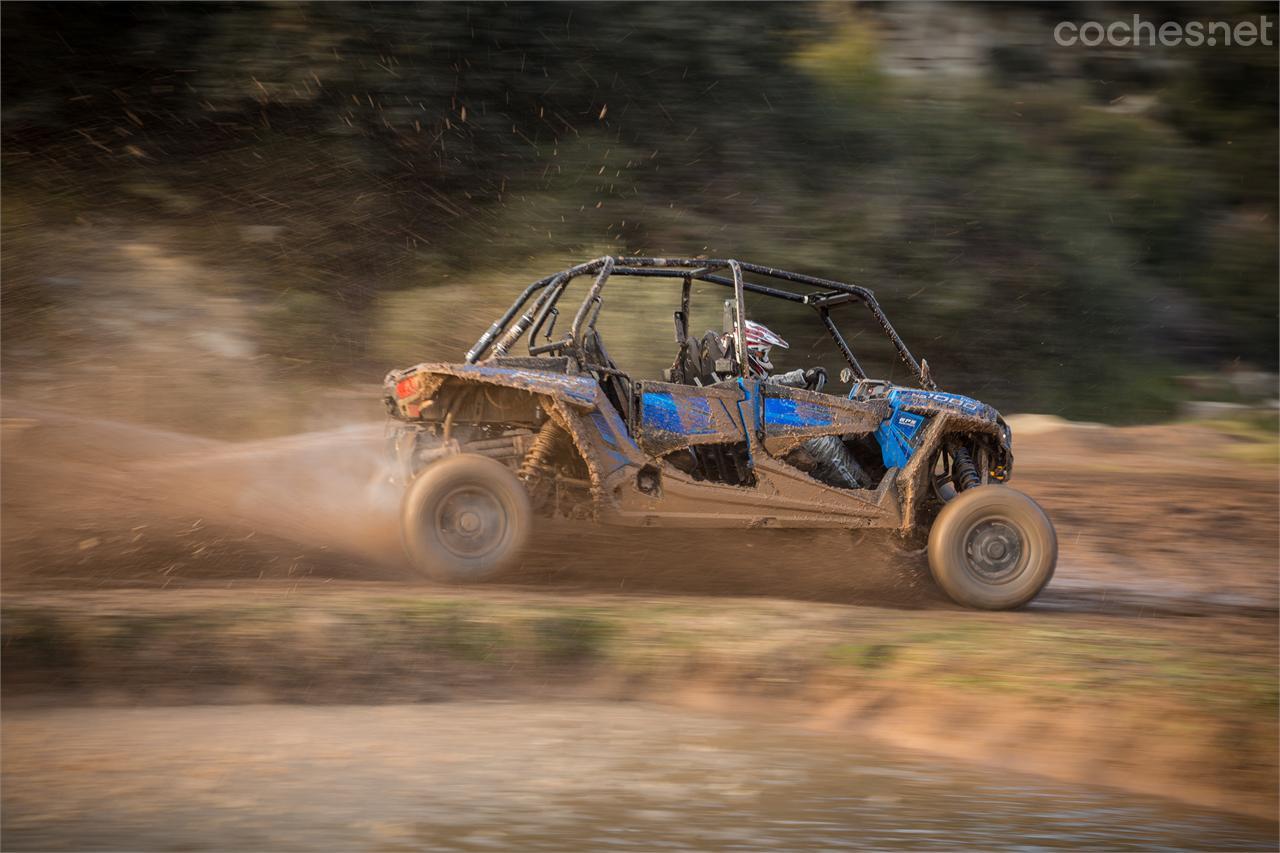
994	549
471	522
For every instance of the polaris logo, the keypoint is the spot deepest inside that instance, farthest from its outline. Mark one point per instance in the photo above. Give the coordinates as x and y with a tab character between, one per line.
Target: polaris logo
942	399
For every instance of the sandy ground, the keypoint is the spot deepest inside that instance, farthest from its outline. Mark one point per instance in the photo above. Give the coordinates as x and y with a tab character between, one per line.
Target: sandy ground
1149	519
1164	533
517	775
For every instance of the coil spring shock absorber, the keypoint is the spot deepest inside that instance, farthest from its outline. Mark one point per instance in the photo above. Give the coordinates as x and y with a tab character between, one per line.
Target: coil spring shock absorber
537	460
964	472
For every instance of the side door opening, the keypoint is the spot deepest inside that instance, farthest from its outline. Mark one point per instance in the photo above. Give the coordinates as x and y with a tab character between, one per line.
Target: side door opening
791	418
698	429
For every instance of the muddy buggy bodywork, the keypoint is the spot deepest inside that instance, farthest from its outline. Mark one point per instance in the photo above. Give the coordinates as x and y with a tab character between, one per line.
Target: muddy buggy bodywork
485	445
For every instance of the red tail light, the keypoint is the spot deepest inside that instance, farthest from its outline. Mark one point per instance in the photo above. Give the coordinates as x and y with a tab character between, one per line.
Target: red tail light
407	387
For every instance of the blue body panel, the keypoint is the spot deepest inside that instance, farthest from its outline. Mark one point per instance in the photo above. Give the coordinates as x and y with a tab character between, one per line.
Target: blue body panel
661	411
897	437
908	413
616	440
751	404
915	399
783	411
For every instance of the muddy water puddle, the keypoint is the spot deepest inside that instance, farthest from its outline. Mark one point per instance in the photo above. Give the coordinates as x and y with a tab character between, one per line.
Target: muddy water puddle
524	776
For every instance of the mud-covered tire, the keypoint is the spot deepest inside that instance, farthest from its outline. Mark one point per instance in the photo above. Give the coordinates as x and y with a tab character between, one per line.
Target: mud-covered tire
465	518
993	548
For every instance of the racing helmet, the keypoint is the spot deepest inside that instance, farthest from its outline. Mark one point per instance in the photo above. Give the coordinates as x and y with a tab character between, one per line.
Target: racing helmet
759	341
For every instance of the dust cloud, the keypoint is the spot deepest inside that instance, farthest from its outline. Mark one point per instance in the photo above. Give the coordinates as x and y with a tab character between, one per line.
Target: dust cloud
111	502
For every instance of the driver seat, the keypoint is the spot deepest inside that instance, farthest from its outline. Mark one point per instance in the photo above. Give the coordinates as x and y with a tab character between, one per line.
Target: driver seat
687	367
696	363
711	351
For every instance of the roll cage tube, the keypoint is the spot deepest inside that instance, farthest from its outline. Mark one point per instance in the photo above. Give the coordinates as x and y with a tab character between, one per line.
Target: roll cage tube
553	287
739	318
593	297
490	334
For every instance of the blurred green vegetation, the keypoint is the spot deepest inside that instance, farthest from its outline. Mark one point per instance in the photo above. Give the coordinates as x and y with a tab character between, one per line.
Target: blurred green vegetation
412	646
1063	231
1256	434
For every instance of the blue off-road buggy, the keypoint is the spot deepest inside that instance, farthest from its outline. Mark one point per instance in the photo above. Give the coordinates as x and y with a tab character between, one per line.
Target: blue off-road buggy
487	445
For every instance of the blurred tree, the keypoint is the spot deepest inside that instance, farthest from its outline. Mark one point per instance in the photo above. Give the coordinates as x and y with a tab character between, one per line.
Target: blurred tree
335	155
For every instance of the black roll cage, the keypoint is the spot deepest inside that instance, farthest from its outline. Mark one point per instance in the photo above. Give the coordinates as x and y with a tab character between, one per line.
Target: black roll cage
504	334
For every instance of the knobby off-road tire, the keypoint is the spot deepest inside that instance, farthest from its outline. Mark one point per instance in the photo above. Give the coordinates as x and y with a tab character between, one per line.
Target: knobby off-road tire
992	547
465	518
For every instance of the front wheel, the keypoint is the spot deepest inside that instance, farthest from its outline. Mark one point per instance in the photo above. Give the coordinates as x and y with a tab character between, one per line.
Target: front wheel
465	518
993	548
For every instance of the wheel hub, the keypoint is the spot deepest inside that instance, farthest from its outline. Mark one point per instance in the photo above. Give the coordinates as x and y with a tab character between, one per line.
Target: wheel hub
994	549
471	521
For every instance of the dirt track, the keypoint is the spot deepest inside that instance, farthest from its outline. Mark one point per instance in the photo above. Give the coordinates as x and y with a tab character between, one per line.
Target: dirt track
1149	519
1160	623
569	776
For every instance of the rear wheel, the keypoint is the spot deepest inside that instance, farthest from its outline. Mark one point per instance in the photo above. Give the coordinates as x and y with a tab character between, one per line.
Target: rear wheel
465	518
993	548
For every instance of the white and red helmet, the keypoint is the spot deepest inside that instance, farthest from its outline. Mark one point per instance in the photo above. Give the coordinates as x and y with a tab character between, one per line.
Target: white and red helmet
760	339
